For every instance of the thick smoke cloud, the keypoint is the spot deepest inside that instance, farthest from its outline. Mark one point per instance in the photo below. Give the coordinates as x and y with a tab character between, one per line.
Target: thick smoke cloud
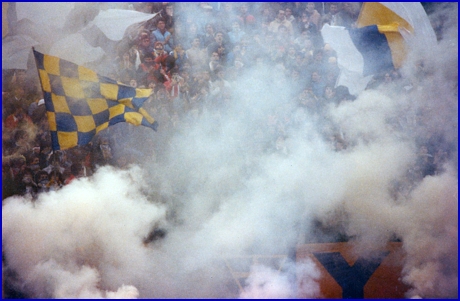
71	238
212	195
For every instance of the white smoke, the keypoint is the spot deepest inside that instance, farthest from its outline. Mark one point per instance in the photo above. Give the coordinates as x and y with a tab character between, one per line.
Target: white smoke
79	282
268	283
215	195
81	238
431	237
264	283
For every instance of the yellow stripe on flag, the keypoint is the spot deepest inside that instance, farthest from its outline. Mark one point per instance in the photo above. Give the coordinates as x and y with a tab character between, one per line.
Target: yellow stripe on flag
133	118
67	139
79	105
374	13
146	115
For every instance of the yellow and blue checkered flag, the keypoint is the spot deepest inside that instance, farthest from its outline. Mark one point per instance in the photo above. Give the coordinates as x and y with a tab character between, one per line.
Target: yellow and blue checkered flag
80	103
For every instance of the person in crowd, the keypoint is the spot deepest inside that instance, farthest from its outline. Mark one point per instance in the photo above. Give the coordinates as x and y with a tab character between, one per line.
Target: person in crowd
8	183
334	16
280	20
191	33
25	83
314	17
303	24
196	55
247	20
332	71
21	142
76	172
318	63
127	61
283	37
317	84
162	35
144	45
55	181
328	51
54	164
200	91
33	162
296	82
34	105
42	180
235	71
350	13
27	185
220	83
207	14
176	92
249	49
164	62
303	42
297	8
265	16
236	34
289	16
102	153
18	118
179	55
144	70
220	46
290	60
214	61
226	16
159	50
329	95
209	35
168	16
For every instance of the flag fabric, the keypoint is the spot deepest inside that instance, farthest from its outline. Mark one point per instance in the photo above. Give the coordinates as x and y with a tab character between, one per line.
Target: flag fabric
390	25
411	16
80	103
373	46
385	32
349	58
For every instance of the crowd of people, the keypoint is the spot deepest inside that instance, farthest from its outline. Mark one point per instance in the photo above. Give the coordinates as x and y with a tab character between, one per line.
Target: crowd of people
192	56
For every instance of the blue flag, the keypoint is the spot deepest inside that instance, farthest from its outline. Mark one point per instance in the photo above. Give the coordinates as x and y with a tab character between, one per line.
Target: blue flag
81	103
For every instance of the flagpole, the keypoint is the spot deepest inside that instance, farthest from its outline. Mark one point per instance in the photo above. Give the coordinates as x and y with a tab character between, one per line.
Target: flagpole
64	127
54	151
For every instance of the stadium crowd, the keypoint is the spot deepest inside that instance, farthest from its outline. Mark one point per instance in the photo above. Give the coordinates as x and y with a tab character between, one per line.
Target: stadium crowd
192	56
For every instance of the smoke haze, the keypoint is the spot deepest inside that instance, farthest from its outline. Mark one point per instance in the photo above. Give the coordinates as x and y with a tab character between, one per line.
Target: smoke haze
218	197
